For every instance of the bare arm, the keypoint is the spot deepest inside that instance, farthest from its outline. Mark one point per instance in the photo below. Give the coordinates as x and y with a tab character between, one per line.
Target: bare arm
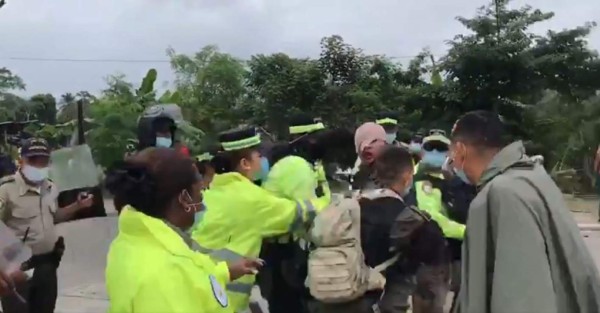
66	213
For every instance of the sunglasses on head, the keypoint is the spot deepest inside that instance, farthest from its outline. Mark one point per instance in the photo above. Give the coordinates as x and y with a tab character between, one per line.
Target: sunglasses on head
435	145
437	132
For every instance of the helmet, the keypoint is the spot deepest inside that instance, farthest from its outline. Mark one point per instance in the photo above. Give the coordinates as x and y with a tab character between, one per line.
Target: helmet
155	118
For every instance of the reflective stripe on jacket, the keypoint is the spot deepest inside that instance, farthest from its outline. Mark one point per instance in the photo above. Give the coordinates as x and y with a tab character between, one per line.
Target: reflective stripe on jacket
150	268
239	216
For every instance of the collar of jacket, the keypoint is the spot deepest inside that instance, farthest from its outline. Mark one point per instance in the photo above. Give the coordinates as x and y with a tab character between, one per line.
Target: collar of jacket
136	224
228	178
506	158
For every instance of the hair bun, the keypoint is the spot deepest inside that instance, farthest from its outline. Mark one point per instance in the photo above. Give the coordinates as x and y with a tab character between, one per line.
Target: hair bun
221	163
130	182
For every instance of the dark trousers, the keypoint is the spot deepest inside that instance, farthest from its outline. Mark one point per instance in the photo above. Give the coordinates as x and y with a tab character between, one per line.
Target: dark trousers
285	298
431	289
281	281
396	296
40	292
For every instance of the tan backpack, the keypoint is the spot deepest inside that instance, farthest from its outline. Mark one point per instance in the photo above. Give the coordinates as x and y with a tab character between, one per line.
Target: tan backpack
337	272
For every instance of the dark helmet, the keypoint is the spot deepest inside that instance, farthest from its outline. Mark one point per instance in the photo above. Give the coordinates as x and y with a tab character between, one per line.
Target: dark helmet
160	117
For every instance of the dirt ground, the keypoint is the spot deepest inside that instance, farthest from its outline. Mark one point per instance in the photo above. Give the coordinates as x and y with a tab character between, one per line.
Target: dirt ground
585	209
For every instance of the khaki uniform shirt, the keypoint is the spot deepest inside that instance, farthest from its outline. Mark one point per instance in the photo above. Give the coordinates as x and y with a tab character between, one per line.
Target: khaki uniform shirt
25	207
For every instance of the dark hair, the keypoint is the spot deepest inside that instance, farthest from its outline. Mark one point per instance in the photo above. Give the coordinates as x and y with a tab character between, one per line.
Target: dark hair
228	161
203	166
151	179
163	125
301	119
483	129
392	162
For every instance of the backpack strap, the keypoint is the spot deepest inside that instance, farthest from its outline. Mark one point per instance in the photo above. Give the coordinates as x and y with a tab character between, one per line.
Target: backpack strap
383	266
380	193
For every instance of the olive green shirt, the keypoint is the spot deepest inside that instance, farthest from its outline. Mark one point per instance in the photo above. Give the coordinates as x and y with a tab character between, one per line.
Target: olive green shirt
30	210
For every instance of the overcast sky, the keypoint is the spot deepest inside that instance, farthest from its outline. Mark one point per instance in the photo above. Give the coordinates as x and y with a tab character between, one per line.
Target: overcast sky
143	29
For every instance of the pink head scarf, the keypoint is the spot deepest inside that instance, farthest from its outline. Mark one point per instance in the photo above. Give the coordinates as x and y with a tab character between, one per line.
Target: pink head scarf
368	135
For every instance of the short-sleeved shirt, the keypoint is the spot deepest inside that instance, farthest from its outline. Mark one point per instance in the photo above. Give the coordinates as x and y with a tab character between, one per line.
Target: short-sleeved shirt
30	210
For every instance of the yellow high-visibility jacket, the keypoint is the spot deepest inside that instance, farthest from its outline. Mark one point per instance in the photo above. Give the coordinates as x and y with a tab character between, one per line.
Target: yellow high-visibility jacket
151	269
239	216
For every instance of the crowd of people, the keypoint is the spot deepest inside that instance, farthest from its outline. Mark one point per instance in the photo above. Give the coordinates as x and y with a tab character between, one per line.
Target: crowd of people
469	215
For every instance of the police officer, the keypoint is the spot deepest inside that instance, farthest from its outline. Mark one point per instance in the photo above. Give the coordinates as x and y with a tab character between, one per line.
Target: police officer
457	197
415	146
282	280
430	183
28	205
205	168
156	127
429	188
241	214
390	124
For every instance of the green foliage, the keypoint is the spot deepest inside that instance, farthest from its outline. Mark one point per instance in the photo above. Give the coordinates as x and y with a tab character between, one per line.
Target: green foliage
545	86
211	87
9	81
44	108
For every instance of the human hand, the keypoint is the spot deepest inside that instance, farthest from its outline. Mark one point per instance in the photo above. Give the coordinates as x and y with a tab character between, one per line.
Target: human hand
85	200
320	171
8	282
244	267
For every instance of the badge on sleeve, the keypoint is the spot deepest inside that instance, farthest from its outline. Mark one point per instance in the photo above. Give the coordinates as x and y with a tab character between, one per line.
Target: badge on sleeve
427	187
218	291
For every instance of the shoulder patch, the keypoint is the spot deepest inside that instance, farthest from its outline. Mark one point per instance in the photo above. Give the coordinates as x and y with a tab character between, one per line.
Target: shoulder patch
218	292
427	187
7	179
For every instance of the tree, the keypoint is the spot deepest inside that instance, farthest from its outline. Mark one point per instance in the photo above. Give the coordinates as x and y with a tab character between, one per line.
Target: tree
44	108
10	104
10	81
68	106
281	86
211	85
504	67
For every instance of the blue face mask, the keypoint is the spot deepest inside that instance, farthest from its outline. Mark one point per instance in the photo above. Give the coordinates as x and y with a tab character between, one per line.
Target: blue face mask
434	158
390	138
414	147
163	142
265	167
461	174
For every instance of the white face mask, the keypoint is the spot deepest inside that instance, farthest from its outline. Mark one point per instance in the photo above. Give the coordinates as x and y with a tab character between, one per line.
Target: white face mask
34	174
390	138
163	142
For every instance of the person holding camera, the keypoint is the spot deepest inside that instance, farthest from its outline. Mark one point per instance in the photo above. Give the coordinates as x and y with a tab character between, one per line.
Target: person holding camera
28	206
